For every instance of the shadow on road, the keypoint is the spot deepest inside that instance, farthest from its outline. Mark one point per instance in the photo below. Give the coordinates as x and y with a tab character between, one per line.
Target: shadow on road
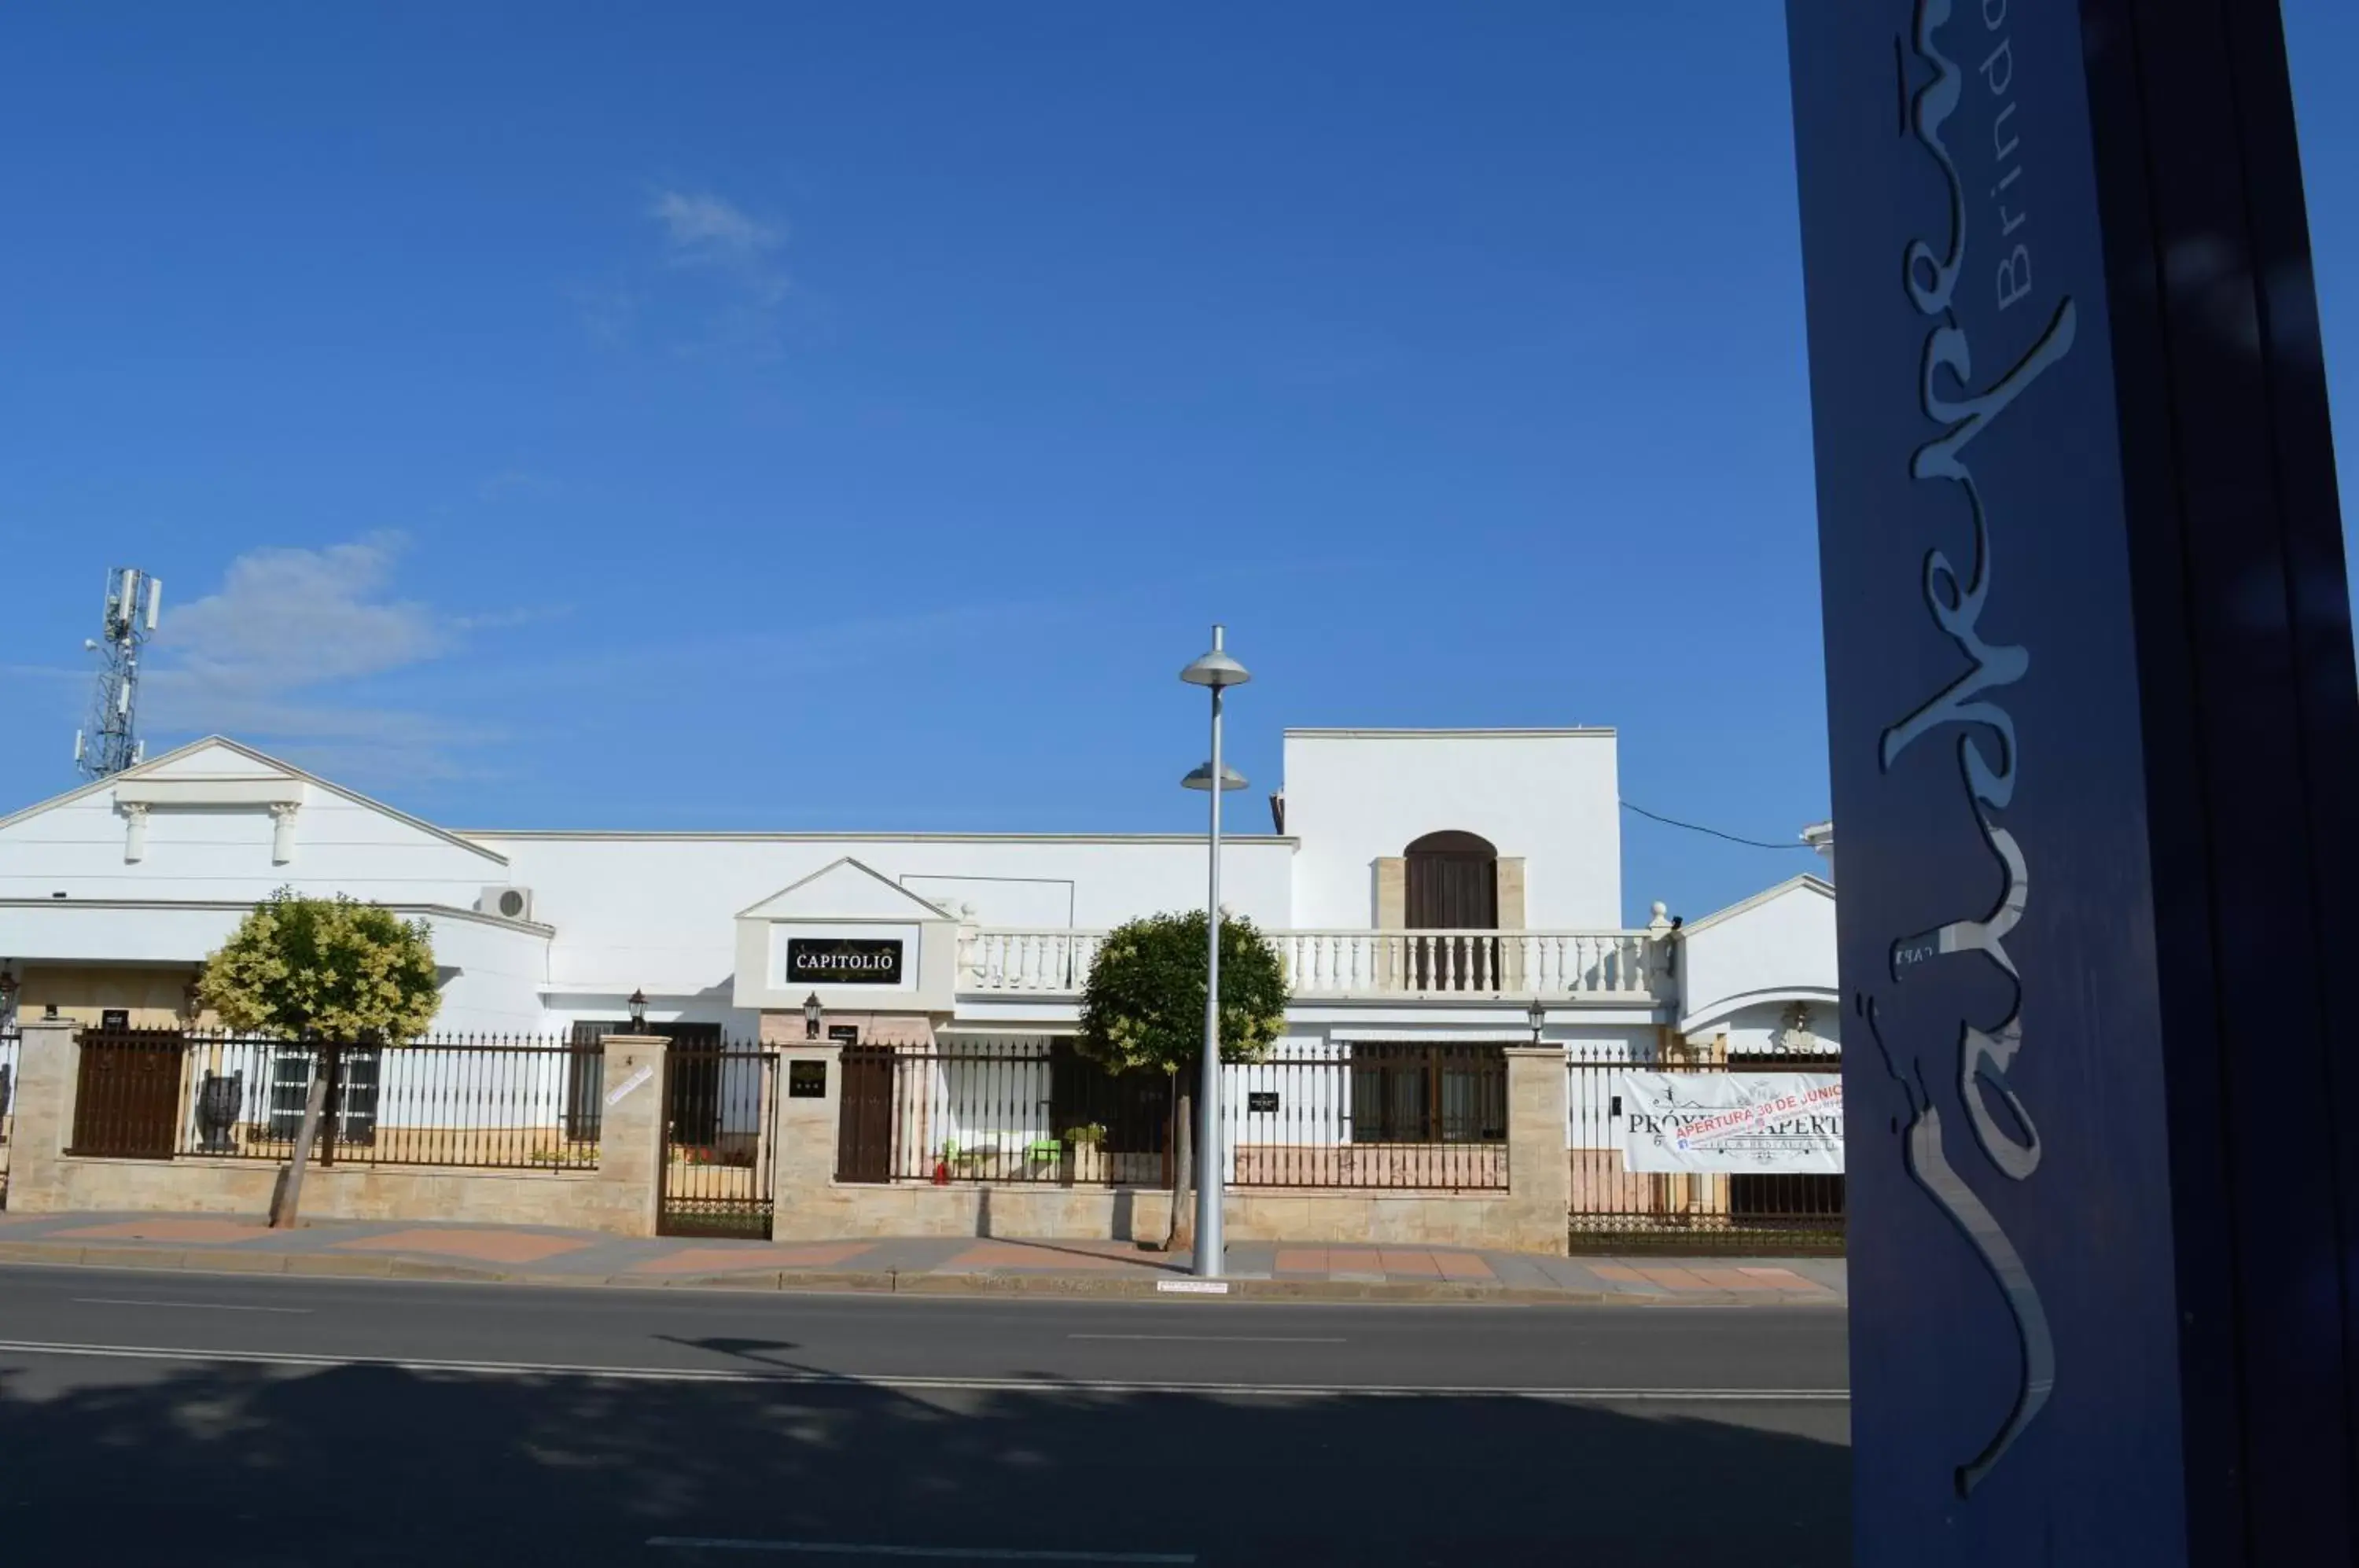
366	1465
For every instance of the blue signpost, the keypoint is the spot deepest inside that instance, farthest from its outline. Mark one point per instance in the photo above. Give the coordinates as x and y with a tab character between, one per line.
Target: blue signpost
2095	763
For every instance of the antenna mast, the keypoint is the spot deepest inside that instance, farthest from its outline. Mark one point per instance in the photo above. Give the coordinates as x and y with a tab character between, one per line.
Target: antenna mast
109	742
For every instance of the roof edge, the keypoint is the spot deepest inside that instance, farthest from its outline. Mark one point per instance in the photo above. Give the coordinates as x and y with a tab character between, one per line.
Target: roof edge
857	865
250	754
1379	732
1804	879
756	836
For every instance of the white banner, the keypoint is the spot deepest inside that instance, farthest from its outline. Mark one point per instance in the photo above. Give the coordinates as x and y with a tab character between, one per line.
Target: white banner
1742	1123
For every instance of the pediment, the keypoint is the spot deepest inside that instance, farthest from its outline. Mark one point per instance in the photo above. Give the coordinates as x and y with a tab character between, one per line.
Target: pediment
845	890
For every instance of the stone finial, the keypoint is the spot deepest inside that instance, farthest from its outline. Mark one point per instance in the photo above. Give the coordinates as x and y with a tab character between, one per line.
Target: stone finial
1660	925
1820	836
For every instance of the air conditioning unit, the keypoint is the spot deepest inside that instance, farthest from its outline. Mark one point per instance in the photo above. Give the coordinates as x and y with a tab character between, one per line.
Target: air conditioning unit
508	903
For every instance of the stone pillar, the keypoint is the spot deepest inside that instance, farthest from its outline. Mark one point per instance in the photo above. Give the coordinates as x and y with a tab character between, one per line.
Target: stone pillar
1513	973
1392	893
1392	915
1539	1177
1511	892
630	1137
802	1175
48	1072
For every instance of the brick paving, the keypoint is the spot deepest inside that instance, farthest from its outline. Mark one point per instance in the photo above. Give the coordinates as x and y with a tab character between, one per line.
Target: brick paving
166	1228
485	1246
545	1254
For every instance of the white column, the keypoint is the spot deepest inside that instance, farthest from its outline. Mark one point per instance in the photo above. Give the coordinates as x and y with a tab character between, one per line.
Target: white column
282	832
134	831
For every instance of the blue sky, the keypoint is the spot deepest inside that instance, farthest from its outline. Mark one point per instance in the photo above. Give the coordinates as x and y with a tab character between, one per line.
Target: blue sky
836	416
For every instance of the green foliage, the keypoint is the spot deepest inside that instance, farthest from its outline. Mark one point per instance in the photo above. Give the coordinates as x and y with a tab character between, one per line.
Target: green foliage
1143	1006
335	968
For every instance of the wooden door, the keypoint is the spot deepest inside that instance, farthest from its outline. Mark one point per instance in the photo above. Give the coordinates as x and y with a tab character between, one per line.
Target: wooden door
864	1134
1454	885
127	1095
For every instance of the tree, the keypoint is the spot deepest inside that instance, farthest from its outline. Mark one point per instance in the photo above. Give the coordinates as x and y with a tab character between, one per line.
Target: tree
324	969
1144	1007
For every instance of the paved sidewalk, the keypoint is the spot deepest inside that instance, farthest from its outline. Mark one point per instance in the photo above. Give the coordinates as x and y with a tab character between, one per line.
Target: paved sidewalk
907	1264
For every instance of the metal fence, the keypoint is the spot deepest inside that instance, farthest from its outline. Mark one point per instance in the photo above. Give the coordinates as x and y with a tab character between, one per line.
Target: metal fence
11	1064
1027	1109
720	1128
1430	1117
473	1101
1615	1208
1371	1115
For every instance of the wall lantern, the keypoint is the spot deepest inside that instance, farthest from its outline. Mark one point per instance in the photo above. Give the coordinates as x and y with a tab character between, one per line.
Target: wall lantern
813	1012
638	1006
1536	1016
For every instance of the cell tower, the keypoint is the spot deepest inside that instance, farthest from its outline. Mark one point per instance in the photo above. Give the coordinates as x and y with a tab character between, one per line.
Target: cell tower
110	743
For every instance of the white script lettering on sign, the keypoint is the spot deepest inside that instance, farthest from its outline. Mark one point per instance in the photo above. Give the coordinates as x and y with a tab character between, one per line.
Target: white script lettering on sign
615	1095
1736	1122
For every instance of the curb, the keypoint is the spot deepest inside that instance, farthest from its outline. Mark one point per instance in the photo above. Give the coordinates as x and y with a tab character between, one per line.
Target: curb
201	1260
1067	1286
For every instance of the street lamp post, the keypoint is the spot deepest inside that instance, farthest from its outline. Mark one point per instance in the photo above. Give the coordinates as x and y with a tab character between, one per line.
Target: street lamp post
1218	671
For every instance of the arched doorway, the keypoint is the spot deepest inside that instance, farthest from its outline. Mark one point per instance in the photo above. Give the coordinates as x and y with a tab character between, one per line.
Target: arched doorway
1452	884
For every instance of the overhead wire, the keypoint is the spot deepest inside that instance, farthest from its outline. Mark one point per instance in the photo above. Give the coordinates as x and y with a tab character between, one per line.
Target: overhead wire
1715	832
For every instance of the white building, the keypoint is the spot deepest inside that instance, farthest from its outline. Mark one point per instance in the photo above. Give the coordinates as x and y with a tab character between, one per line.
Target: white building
1395	843
1436	896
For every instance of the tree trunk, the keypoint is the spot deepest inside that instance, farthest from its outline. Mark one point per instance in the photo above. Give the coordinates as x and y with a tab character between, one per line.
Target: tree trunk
1182	1231
286	1198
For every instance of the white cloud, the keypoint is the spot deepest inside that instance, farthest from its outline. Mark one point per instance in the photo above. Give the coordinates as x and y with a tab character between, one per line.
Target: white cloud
705	230
287	618
260	659
704	233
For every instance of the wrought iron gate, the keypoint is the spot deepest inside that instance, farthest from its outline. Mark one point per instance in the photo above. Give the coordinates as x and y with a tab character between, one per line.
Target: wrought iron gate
721	1127
1618	1209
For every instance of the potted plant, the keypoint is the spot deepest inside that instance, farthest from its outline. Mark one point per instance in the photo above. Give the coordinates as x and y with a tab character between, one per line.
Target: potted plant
1088	1135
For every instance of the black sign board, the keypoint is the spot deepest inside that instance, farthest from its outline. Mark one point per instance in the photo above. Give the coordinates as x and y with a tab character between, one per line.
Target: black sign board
2093	747
843	961
806	1080
114	1020
843	1034
1260	1101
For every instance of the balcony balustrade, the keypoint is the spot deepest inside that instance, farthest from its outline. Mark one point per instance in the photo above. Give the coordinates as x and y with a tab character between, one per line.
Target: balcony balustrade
1326	964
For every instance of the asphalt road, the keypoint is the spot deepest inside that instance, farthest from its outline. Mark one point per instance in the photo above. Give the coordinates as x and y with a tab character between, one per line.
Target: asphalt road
151	1416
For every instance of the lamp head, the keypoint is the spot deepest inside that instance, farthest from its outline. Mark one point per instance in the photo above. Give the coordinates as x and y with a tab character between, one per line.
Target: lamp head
1200	777
1214	668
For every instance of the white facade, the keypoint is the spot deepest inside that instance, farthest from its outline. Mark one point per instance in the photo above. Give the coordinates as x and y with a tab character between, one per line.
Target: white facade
110	895
1550	798
1749	965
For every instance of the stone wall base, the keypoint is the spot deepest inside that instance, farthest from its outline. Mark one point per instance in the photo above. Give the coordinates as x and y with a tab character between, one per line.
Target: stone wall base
575	1199
1019	1210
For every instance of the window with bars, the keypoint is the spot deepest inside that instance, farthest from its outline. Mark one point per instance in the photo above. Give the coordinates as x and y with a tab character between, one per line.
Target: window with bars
1412	1093
353	1120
